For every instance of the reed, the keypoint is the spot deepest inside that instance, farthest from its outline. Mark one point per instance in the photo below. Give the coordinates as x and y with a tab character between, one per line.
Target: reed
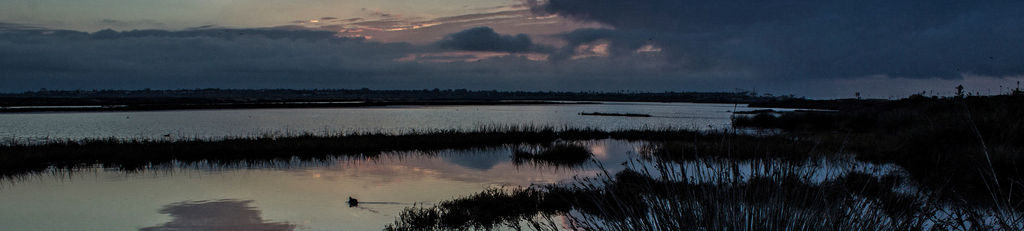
710	194
134	154
944	143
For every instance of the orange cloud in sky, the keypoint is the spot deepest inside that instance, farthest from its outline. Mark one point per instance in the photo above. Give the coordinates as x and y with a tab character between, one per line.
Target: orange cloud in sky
467	56
383	26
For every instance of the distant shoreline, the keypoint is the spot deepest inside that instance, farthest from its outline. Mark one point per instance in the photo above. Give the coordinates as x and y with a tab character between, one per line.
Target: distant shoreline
206	99
614	114
267	105
188	99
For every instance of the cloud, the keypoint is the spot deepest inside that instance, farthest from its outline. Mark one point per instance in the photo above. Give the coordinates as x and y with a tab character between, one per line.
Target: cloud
252	58
216	215
297	57
617	43
485	39
268	33
190	58
18	27
813	39
290	58
387	27
114	23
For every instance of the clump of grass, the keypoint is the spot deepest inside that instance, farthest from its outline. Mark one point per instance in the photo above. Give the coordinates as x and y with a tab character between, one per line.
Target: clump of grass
775	201
672	196
135	154
489	209
138	153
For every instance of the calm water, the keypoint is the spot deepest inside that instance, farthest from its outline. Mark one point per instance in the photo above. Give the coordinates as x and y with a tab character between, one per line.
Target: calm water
310	196
295	195
221	123
307	195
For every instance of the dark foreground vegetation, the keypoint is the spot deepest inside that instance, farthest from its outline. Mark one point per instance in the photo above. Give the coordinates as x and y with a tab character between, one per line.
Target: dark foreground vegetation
779	198
141	100
975	144
954	164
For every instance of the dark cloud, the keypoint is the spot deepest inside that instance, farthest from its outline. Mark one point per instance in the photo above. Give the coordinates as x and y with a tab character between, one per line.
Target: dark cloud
814	39
485	39
622	44
295	57
275	58
216	215
190	58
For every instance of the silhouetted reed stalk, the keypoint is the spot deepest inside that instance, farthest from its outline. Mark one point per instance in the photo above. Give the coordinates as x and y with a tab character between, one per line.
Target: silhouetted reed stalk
1003	203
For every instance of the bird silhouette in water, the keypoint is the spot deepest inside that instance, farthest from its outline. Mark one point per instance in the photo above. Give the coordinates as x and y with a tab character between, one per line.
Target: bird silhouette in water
352	202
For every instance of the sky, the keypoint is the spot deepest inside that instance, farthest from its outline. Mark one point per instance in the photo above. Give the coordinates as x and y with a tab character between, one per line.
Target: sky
818	49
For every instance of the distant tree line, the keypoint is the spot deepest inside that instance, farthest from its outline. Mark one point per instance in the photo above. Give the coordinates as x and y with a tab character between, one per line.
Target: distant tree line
44	97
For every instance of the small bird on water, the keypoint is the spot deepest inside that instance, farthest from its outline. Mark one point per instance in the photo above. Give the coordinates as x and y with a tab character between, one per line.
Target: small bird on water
352	202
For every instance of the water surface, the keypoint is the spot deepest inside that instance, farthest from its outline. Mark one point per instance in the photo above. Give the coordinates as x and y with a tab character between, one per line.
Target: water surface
301	195
248	122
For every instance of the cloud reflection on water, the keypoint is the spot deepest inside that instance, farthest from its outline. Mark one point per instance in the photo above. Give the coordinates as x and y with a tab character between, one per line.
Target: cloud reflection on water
493	166
218	215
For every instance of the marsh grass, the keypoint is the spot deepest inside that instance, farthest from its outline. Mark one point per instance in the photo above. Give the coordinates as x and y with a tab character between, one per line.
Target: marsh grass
972	145
490	209
136	154
668	195
957	160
